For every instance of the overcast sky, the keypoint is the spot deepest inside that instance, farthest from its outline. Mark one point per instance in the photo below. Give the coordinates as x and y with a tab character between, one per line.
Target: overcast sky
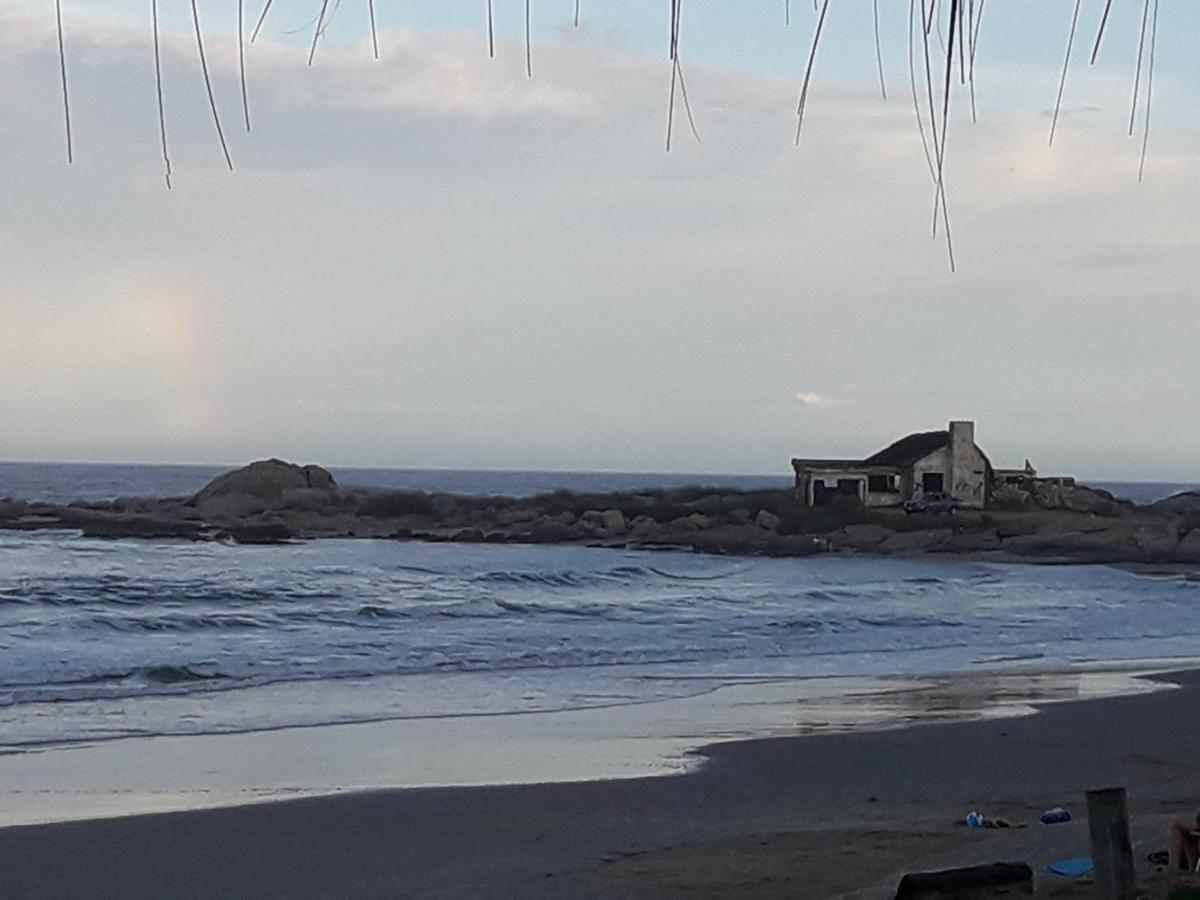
432	260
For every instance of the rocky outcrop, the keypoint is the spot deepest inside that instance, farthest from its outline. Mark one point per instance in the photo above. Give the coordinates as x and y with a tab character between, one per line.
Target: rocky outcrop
273	501
1185	503
262	485
1075	498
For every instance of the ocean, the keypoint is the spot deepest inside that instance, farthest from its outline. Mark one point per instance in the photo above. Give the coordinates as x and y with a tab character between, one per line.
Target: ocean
102	640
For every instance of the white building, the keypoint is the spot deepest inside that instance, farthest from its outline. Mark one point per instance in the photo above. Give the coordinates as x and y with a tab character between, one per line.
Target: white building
947	461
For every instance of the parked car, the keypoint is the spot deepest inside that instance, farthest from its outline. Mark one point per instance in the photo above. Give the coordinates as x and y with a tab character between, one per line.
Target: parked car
932	502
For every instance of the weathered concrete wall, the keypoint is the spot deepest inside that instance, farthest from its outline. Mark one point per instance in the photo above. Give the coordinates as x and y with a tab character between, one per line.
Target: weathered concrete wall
806	487
968	466
937	462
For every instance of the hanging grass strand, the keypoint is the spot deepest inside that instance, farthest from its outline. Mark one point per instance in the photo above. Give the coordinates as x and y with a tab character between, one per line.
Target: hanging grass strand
158	85
1062	82
974	31
66	94
491	31
528	43
262	17
242	61
955	13
212	100
374	29
673	55
1149	92
812	56
912	80
878	49
1100	31
1137	76
318	30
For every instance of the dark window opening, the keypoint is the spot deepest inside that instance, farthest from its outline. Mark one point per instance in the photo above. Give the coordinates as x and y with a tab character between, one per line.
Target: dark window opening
846	487
932	481
881	484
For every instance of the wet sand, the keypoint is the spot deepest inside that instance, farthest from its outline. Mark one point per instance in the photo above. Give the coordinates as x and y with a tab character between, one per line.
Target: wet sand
813	816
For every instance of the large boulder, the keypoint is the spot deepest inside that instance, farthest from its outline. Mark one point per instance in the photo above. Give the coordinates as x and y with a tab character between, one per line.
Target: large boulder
1076	498
262	485
1189	548
1185	503
862	537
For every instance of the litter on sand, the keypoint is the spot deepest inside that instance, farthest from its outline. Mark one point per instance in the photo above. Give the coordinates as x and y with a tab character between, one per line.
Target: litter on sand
1071	868
1056	815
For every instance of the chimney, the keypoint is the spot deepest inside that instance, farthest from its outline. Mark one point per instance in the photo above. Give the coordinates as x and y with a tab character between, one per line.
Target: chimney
962	434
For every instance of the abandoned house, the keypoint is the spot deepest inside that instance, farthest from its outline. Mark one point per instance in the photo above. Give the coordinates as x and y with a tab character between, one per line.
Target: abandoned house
948	461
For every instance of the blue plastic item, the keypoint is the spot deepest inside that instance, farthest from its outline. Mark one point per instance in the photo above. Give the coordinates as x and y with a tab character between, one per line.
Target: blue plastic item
974	819
1056	815
1071	868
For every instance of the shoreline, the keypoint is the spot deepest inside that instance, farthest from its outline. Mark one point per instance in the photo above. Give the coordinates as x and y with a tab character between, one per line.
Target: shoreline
54	782
835	813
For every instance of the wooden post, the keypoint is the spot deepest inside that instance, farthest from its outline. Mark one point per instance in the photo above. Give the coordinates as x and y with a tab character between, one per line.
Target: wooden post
1112	851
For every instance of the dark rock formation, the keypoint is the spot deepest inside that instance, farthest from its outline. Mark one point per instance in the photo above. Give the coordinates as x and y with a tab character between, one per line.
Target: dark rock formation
272	501
263	485
1185	503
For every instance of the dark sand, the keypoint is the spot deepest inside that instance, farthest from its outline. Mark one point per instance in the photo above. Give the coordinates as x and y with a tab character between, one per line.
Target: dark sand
798	817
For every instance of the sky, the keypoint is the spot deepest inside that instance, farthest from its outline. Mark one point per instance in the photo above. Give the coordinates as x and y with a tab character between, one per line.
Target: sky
432	260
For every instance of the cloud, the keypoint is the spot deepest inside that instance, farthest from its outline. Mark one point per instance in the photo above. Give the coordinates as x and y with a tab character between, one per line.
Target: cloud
811	398
406	241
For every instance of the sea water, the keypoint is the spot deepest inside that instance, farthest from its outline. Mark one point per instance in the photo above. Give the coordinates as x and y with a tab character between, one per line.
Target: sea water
110	639
150	675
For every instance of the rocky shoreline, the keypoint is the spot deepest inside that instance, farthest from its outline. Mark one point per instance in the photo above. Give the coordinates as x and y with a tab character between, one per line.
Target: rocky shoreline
272	501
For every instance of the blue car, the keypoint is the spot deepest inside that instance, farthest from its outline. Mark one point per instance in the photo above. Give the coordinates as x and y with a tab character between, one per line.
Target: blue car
935	502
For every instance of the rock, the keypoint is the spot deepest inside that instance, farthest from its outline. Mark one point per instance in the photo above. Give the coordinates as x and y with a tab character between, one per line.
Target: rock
31	523
971	542
259	486
923	540
863	537
1157	543
689	523
231	506
135	504
1011	496
468	536
644	527
614	521
711	505
1076	499
741	516
681	525
307	499
319	478
257	533
12	509
139	526
1188	549
1078	546
549	531
767	520
606	523
393	504
996	879
1185	503
443	505
513	515
1014	527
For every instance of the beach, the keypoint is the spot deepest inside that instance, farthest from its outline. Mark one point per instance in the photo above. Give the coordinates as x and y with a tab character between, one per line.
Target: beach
820	815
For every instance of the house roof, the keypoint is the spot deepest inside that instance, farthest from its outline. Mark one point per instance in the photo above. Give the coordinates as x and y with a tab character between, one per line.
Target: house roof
898	455
908	450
